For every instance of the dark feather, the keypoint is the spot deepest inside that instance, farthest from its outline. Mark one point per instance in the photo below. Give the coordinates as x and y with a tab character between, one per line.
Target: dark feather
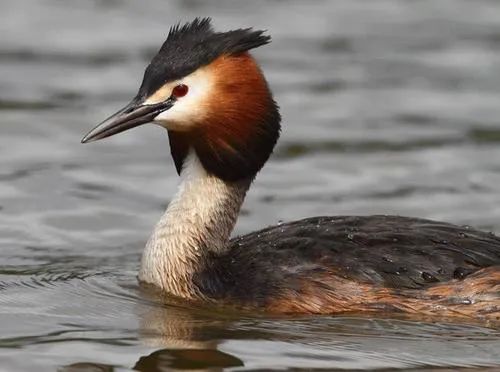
193	45
241	158
179	148
398	253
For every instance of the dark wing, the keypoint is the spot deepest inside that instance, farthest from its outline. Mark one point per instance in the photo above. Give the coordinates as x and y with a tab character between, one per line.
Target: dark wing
392	251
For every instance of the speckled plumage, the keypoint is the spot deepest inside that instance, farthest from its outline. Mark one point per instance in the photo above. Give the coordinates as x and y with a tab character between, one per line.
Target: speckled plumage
403	256
393	251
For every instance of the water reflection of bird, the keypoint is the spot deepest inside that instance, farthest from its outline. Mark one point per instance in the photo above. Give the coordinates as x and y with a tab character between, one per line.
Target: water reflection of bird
209	93
185	338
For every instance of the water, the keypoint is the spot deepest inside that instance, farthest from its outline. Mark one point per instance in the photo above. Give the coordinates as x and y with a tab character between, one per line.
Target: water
389	106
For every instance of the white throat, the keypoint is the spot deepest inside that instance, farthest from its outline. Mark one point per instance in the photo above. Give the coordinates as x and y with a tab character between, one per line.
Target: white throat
197	224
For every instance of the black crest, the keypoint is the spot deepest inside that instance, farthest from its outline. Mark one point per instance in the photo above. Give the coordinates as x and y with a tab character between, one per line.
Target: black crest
193	45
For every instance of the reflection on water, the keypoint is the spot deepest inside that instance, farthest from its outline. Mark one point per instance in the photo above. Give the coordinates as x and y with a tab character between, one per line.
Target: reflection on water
389	107
186	359
172	336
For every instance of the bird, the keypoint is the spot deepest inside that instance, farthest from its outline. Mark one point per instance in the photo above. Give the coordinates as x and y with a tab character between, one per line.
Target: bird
210	94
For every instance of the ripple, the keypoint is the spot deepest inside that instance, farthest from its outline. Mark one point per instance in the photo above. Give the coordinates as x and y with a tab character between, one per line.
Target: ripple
337	45
90	191
298	149
405	191
87	59
415	119
327	86
37	277
87	367
485	135
27	105
21	173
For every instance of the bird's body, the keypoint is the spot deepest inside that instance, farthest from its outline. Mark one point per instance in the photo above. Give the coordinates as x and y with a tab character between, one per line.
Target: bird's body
364	264
223	124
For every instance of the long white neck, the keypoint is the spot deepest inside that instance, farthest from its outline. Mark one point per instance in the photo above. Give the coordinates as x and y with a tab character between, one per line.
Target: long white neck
198	223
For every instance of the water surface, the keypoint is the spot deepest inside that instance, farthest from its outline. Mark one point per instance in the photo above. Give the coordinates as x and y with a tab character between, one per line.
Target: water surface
388	106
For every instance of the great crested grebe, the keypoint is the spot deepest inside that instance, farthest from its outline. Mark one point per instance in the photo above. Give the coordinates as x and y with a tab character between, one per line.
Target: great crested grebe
210	94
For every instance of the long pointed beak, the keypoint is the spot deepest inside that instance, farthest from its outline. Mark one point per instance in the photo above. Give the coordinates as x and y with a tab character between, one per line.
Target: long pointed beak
131	116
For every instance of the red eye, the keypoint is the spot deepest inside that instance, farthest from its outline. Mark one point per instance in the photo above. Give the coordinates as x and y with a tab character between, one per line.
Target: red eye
180	90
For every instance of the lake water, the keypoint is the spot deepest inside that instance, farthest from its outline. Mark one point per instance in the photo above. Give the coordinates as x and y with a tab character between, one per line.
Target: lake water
389	106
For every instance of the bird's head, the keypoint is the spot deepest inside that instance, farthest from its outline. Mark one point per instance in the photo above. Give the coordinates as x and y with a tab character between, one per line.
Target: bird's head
209	93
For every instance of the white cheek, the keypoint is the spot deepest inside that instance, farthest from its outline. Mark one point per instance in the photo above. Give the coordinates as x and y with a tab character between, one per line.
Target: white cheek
190	109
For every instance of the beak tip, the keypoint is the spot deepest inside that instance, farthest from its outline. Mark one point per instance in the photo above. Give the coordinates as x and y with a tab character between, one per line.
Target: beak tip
92	136
86	139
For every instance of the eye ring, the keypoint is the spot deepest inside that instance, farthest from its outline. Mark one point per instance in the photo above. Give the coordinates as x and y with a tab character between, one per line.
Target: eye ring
180	90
